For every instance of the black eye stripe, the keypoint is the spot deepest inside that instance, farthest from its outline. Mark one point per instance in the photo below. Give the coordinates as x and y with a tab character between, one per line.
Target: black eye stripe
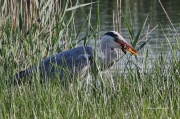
112	34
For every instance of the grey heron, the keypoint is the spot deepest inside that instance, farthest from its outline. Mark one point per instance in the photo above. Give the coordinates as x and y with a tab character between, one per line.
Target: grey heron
78	60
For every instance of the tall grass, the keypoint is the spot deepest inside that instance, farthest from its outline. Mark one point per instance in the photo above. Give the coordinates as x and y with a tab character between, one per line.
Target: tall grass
32	30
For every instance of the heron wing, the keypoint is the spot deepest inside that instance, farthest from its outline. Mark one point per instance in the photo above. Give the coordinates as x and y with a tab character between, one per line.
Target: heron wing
74	61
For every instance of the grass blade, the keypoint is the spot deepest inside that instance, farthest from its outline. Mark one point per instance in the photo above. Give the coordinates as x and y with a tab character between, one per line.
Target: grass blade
142	45
78	6
139	33
131	32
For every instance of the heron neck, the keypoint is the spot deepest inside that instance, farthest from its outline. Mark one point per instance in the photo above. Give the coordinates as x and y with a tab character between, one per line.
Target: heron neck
110	56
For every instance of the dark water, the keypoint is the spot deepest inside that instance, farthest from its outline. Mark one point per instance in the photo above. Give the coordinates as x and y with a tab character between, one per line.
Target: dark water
137	11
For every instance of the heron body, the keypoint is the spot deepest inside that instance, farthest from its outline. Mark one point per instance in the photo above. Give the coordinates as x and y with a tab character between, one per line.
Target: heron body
75	61
78	61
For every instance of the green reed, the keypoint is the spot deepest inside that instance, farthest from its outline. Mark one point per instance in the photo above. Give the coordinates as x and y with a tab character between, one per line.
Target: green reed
30	31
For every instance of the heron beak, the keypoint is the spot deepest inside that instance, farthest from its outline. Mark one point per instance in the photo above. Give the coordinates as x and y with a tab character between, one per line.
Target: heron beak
127	47
132	50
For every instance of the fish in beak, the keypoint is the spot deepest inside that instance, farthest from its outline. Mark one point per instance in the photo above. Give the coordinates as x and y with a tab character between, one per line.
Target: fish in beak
127	47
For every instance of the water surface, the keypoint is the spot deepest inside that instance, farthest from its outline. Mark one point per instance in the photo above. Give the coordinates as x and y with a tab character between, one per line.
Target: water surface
137	11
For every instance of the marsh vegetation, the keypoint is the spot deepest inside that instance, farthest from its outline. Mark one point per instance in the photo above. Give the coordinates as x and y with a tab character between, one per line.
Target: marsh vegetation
32	30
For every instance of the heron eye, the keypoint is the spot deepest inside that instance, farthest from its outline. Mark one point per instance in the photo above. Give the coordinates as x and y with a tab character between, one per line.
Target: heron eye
116	39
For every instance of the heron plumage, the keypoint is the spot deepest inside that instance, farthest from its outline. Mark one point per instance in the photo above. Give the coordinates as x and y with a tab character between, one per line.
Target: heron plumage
73	61
79	60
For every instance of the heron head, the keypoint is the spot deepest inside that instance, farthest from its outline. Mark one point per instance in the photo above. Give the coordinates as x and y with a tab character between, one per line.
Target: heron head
115	40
